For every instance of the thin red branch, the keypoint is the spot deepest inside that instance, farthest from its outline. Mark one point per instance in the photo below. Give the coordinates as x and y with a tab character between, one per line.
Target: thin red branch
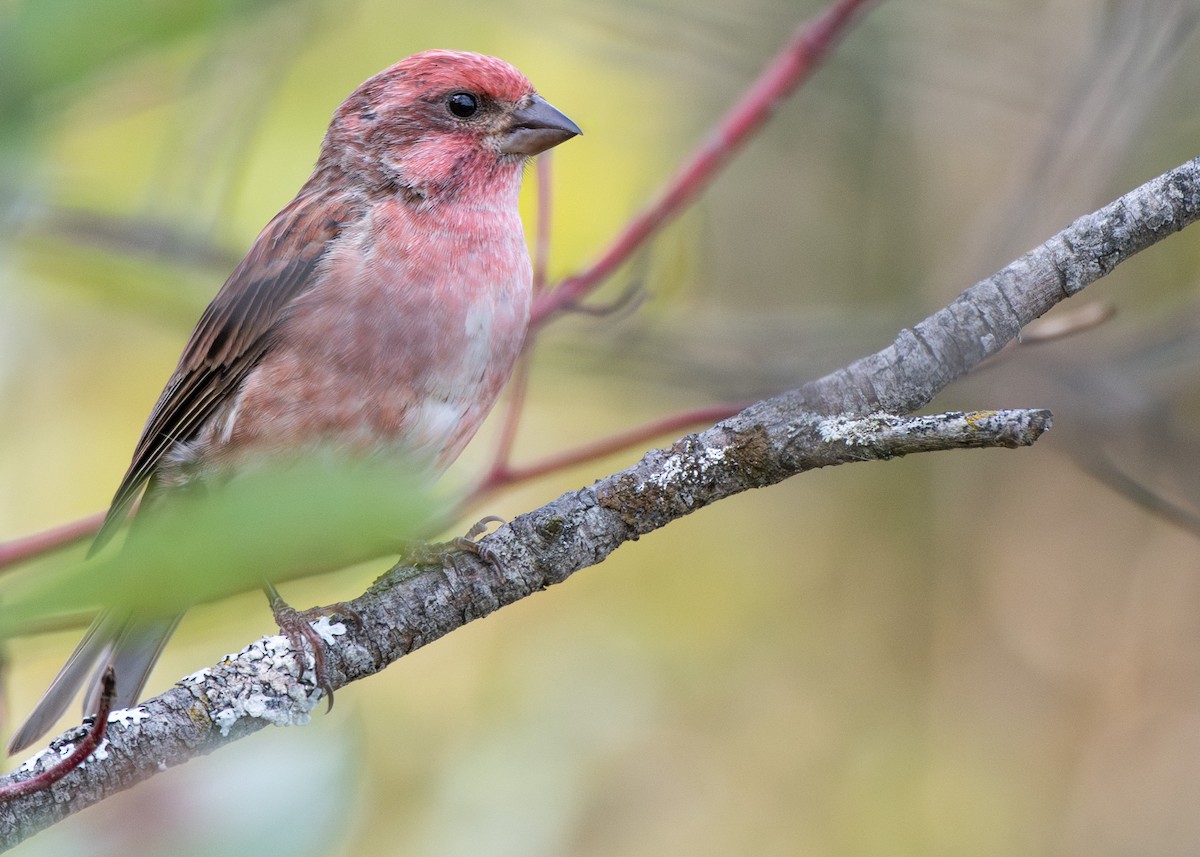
86	746
811	43
27	547
517	387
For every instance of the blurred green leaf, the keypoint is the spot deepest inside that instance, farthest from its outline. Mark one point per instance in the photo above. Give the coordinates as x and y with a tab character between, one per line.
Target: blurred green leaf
48	45
204	541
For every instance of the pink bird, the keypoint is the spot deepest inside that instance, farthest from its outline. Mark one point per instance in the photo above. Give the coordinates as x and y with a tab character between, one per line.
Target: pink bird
382	309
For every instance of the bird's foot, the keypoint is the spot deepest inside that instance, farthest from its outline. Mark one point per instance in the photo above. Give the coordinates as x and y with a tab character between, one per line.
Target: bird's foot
442	554
297	626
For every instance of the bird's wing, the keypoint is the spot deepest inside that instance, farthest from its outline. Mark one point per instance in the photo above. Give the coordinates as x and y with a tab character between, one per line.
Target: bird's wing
233	333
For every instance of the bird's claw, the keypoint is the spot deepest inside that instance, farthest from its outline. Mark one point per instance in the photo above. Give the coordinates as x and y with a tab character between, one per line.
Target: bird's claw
296	625
441	554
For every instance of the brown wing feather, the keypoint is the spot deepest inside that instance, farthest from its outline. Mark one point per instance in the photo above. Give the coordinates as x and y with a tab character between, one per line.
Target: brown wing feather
233	334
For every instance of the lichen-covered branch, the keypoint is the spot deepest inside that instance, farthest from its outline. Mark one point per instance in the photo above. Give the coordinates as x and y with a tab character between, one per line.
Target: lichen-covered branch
410	607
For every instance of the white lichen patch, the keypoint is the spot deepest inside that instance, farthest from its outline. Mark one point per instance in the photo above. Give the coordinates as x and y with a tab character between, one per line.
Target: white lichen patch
34	762
685	469
129	716
856	431
198	677
262	684
99	754
329	631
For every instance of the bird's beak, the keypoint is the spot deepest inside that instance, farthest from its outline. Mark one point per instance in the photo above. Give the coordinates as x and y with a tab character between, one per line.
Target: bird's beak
536	128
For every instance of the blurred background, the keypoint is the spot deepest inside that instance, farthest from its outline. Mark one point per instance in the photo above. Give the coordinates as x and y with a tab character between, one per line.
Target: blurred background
983	652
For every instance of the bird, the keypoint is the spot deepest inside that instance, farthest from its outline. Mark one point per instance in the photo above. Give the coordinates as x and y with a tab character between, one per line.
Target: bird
382	309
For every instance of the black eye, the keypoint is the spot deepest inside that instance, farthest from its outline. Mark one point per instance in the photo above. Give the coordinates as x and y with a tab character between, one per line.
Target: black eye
462	104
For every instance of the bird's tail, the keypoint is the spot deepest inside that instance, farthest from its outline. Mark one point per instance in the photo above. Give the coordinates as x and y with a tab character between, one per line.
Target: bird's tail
130	646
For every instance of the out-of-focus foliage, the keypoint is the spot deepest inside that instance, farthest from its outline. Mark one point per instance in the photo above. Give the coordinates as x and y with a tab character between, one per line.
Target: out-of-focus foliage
275	523
983	653
53	47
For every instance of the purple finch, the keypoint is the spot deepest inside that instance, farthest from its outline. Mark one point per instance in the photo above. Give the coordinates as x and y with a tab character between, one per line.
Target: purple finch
381	310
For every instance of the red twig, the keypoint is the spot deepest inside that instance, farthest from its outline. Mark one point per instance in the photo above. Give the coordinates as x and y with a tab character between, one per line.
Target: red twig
811	43
517	388
86	746
27	547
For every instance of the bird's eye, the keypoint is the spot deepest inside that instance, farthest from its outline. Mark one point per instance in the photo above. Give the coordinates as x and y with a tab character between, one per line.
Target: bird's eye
462	104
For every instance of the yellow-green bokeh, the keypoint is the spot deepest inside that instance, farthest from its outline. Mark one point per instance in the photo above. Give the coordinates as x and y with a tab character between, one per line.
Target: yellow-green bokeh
980	653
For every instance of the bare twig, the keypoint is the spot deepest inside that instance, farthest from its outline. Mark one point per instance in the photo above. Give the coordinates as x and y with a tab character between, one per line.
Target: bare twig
517	387
1063	324
1116	478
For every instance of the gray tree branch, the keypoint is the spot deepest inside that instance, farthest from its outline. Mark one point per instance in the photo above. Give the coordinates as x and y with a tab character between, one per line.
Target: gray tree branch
847	416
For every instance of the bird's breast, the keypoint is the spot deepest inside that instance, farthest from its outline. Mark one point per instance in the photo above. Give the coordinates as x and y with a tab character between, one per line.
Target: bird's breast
404	342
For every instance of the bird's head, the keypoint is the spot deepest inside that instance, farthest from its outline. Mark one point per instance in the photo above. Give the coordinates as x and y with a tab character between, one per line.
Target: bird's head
443	123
